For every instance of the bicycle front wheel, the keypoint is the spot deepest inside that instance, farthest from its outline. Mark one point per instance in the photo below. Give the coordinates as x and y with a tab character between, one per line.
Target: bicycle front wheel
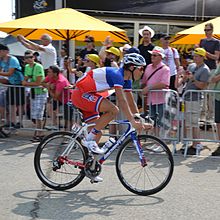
148	179
54	173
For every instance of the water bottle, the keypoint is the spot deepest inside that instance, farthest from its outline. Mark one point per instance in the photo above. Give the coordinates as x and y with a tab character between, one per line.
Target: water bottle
108	144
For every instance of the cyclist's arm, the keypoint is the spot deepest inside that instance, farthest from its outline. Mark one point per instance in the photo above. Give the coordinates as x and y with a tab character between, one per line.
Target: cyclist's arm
131	102
123	104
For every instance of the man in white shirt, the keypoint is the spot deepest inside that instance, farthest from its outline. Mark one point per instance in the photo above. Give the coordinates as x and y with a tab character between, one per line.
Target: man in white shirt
172	59
48	54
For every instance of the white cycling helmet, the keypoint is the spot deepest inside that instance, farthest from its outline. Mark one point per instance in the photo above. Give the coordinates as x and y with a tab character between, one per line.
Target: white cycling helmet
134	58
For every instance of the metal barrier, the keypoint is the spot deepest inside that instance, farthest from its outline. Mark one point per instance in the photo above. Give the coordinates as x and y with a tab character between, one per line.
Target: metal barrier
16	102
15	109
198	108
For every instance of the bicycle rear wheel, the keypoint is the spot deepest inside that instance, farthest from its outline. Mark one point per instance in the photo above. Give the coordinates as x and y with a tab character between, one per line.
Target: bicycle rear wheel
51	170
149	179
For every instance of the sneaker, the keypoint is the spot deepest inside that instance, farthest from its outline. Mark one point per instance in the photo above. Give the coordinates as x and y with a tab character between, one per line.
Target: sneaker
96	179
191	151
51	128
93	146
216	152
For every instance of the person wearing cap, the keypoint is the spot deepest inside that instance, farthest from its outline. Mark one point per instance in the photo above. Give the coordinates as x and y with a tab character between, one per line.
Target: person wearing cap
172	59
90	47
112	55
11	70
196	78
156	77
92	61
146	33
48	54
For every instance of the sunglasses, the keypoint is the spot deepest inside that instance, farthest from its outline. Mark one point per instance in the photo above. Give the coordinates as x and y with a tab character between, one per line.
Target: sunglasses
155	55
207	30
27	57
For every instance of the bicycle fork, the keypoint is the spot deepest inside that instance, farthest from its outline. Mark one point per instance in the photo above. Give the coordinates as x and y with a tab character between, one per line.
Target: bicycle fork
139	149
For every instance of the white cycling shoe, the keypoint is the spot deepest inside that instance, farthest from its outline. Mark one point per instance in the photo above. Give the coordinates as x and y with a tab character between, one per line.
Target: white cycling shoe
93	146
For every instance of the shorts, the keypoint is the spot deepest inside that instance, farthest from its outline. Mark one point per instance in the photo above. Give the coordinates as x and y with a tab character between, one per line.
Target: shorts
88	103
217	112
15	96
38	106
192	113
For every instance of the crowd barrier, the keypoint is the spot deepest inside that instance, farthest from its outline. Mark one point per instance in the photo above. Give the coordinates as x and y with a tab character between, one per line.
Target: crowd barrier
170	108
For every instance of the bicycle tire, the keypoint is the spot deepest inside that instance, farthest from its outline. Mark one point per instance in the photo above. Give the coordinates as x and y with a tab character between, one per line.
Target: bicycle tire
154	150
48	176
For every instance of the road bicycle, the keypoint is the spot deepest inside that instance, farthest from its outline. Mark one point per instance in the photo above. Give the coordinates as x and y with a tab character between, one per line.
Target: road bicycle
144	163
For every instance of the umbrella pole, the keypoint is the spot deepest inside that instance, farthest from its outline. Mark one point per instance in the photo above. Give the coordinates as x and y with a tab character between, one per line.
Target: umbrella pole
68	52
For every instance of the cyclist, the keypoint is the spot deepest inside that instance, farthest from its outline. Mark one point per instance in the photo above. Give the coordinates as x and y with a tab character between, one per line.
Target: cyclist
94	86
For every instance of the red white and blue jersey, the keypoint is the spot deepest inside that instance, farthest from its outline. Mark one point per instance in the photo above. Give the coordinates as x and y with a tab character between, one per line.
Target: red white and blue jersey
102	79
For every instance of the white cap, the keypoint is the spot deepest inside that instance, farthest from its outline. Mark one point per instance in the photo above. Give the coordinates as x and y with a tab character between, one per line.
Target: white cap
158	50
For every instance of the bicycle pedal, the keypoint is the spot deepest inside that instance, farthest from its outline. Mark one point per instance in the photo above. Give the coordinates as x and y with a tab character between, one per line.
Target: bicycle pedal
93	181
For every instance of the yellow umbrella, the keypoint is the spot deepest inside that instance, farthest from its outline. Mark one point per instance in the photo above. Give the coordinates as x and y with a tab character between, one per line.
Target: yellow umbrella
194	34
63	24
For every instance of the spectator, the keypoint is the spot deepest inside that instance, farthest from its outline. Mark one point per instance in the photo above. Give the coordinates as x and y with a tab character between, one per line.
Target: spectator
111	57
212	47
10	68
34	75
48	55
216	81
147	33
56	83
156	77
66	70
63	55
196	76
91	61
36	57
90	47
172	59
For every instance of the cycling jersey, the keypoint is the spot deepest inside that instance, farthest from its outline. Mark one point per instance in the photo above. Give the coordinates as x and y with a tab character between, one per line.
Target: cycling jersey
96	85
102	79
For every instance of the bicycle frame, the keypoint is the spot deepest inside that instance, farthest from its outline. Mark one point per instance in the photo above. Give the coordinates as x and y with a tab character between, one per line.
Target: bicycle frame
130	131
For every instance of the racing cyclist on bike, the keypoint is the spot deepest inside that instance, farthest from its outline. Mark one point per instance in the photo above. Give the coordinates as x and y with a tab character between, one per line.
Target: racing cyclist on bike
92	89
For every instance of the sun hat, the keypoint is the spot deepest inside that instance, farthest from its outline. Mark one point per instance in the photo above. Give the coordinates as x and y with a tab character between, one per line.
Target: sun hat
158	50
200	51
146	28
94	58
114	51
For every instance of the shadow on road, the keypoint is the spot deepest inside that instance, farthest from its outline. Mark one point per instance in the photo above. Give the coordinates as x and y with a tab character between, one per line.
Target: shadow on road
76	205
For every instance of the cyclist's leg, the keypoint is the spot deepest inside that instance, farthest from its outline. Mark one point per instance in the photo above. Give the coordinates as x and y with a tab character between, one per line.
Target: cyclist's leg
110	112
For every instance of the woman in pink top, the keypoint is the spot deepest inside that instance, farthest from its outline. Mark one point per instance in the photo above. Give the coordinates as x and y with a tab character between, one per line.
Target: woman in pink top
56	84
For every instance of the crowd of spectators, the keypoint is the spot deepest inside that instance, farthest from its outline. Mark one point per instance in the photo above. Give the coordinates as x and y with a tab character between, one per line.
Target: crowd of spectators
164	70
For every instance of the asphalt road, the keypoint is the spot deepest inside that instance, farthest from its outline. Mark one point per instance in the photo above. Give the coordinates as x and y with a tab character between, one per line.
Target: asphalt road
193	193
